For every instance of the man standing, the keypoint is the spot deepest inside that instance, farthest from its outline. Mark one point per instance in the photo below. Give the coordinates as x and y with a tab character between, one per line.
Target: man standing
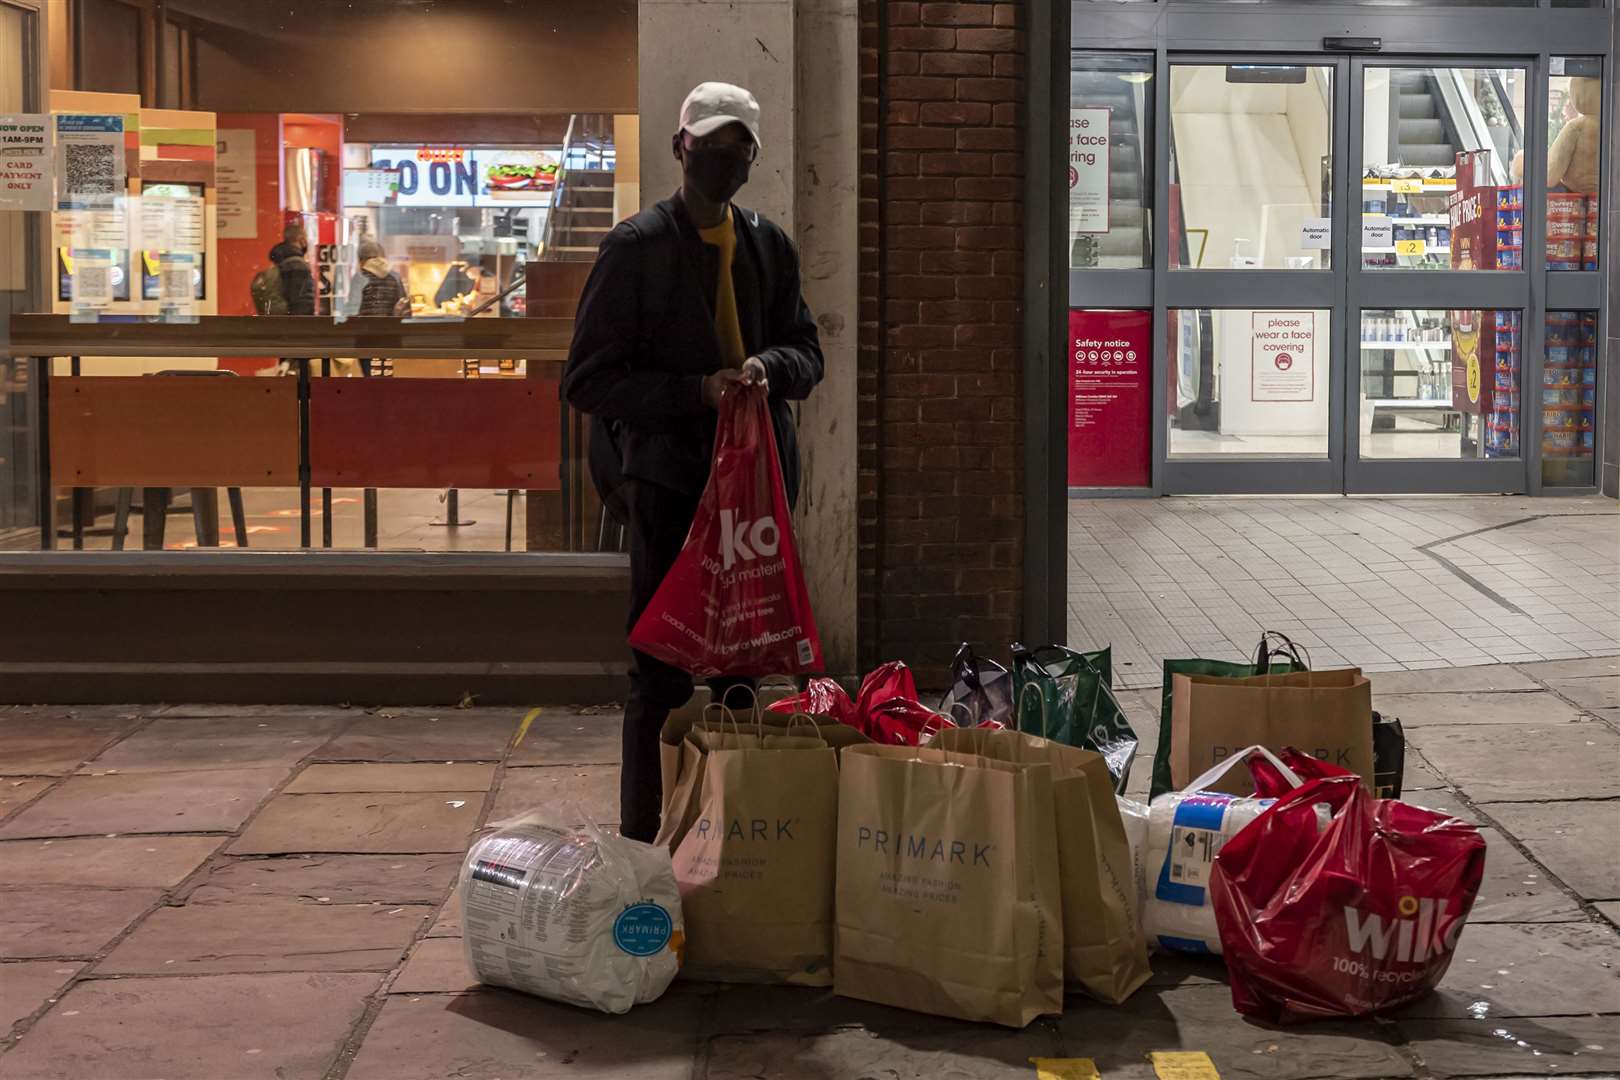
686	299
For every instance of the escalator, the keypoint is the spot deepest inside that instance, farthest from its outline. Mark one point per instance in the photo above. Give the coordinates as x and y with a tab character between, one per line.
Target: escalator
1421	131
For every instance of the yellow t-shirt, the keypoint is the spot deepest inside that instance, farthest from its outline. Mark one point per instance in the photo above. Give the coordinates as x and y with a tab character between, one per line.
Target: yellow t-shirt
726	323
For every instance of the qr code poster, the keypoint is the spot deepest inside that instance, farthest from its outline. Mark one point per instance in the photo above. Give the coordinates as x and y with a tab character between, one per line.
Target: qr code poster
89	161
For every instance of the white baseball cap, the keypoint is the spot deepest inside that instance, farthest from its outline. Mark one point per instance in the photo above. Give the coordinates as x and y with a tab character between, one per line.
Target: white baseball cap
712	105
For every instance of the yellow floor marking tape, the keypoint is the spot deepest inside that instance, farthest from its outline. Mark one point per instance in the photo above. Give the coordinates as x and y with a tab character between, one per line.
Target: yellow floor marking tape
1065	1069
1184	1065
523	728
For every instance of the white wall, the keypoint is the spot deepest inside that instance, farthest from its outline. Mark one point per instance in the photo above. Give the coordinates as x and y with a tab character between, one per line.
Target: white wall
747	42
1240	413
1240	168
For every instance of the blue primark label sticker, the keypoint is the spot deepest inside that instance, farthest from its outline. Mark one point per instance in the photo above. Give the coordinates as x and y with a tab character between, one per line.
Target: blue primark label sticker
642	929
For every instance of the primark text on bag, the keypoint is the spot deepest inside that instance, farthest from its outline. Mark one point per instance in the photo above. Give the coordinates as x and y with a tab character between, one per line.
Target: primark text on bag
947	893
735	601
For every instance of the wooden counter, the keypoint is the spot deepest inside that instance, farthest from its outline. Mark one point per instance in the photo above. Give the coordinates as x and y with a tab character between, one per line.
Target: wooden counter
293	336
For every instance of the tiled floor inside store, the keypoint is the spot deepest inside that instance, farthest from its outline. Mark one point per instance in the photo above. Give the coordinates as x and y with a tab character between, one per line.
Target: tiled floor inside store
246	892
1385	584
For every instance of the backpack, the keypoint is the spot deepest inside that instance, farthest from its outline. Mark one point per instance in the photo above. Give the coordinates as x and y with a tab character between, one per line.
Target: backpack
268	299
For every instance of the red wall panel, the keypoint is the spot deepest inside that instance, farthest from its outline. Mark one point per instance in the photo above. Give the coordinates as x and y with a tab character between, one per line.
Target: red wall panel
431	433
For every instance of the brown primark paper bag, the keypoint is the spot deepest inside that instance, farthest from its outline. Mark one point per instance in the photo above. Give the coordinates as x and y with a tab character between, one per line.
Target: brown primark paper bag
1104	950
947	890
755	867
679	754
1327	714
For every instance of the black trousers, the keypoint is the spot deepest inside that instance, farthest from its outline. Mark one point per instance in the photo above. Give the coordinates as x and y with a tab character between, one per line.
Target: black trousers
659	520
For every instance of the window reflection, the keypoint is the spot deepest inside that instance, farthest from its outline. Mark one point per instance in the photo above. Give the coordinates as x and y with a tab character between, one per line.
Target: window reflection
1574	163
1440	147
1250	155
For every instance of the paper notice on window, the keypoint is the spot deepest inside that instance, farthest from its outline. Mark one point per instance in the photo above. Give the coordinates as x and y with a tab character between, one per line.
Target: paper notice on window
107	228
25	161
235	165
93	270
89	161
1316	234
177	285
1377	231
1090	163
170	223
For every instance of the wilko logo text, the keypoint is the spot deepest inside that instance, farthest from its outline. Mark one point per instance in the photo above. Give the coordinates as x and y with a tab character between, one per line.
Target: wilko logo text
746	540
917	846
1414	940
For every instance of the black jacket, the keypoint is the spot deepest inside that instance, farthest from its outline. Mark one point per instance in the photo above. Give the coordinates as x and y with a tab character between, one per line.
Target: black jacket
379	296
297	282
644	338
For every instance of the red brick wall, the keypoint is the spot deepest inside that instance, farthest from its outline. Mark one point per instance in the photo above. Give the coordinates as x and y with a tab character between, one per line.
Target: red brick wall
941	509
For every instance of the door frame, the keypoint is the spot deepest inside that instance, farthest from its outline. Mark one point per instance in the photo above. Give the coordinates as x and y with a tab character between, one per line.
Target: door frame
1158	28
1375	289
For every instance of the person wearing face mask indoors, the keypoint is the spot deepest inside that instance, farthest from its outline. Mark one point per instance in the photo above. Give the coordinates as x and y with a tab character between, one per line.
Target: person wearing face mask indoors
686	300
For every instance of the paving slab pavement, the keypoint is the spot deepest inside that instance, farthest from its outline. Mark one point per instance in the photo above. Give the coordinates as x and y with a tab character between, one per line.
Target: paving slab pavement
335	879
116	862
256	888
240	1027
213	800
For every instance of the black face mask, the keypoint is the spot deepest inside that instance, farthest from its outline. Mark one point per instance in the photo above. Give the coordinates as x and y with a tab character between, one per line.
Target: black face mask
717	175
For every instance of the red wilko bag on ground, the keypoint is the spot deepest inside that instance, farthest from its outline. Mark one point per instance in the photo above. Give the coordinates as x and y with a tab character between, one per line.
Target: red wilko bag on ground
735	603
1355	920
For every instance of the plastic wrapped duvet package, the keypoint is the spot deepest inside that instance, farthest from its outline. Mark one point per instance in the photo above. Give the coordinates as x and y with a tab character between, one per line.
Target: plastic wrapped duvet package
561	909
1174	848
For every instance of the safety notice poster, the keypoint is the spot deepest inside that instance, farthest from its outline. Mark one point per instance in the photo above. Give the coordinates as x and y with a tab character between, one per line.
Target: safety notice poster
1110	383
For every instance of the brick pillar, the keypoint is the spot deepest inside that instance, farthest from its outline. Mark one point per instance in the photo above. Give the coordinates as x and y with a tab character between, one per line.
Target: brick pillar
941	512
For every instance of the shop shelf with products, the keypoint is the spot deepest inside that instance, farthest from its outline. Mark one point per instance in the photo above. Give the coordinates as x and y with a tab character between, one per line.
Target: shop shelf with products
1502	422
1413	206
1569	398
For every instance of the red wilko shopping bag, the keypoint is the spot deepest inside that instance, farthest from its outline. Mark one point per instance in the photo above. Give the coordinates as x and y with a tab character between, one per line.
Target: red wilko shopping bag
735	603
1359	918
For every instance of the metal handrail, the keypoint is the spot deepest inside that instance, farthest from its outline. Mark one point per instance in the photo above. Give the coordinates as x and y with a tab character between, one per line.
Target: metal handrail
550	229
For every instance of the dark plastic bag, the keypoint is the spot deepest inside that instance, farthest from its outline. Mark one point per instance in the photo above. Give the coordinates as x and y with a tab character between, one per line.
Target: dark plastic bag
1068	697
1275	655
1389	755
981	689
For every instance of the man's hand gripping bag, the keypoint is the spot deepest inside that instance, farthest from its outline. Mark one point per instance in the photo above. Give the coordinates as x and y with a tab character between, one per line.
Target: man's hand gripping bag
735	602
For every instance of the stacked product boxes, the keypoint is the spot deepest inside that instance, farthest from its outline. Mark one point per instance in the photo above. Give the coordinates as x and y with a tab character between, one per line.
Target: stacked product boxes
1572	231
1501	423
1569	396
1510	228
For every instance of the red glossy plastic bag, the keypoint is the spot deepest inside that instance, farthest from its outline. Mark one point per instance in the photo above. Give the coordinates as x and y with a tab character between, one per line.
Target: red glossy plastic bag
1270	784
735	602
821	697
1360	918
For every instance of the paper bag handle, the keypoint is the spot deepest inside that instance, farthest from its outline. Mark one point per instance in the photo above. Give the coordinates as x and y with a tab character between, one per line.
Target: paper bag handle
725	714
753	696
950	710
798	719
1214	774
1274	643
